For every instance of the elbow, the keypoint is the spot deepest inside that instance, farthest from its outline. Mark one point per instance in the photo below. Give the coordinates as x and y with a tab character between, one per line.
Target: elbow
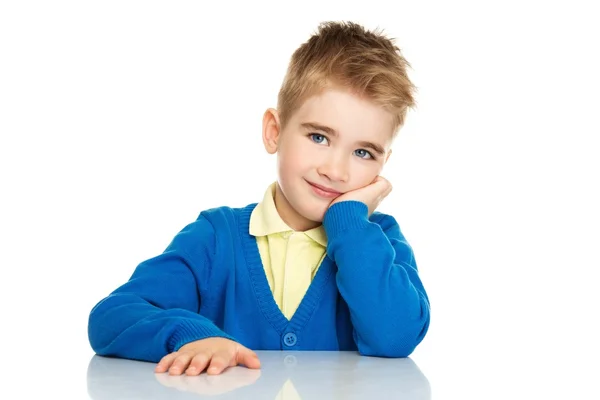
396	343
390	349
107	320
401	348
97	334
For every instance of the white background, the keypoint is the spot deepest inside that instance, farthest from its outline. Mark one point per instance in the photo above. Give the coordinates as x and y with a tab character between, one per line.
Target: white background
121	120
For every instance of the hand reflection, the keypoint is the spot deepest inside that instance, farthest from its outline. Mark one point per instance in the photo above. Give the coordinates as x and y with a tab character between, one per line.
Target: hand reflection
290	375
211	385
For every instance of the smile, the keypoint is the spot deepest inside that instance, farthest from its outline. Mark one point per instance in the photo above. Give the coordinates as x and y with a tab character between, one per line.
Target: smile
323	191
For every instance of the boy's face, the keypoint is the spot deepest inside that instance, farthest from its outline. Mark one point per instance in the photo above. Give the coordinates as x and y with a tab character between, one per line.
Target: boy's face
335	140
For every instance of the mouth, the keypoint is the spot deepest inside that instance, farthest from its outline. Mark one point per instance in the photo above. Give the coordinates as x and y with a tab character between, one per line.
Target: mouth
323	191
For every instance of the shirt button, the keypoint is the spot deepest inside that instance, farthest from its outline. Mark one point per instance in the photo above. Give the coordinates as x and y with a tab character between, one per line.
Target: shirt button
290	339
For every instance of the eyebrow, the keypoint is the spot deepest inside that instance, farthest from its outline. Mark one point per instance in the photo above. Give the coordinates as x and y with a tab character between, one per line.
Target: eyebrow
318	127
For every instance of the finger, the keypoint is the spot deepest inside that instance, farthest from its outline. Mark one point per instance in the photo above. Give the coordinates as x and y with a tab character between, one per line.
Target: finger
165	362
380	180
180	364
384	186
388	189
248	358
198	364
220	360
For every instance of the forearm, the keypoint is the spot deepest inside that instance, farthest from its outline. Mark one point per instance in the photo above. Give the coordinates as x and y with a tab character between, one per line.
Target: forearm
156	311
378	279
125	325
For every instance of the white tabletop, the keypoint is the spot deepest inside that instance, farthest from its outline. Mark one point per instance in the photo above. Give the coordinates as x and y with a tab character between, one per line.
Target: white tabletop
283	375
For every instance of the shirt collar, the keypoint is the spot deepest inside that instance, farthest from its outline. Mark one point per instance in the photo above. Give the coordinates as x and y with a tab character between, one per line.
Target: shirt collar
265	220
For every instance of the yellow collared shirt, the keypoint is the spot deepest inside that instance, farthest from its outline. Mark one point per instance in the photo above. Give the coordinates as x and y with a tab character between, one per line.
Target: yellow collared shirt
290	259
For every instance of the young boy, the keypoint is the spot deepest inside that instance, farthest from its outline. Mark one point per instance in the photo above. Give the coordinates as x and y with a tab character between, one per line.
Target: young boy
312	266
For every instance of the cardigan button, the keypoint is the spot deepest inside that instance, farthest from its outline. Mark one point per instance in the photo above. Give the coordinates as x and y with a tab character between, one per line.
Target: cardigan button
290	360
290	339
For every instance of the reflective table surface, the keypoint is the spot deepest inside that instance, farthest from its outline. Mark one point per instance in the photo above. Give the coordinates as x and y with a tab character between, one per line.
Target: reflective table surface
283	375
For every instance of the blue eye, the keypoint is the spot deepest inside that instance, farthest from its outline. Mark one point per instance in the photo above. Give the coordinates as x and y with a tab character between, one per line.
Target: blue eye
317	138
362	153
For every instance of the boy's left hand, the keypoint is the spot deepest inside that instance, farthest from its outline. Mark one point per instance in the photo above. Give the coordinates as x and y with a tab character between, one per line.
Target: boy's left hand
372	195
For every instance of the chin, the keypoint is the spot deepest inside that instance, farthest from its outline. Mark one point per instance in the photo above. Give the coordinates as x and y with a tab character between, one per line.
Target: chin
314	215
310	208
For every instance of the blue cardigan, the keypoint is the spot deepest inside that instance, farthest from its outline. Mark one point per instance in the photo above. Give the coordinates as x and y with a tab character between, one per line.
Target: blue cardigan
366	296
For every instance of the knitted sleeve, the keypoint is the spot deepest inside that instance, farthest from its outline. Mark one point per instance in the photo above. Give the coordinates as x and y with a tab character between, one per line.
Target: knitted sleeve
156	311
378	278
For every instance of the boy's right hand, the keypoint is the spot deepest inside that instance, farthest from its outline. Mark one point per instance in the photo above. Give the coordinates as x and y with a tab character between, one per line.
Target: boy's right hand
215	353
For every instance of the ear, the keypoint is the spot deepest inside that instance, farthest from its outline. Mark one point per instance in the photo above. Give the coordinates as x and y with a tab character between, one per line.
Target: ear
271	130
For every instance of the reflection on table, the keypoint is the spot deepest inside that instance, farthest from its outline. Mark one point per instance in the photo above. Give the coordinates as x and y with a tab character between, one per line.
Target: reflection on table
283	375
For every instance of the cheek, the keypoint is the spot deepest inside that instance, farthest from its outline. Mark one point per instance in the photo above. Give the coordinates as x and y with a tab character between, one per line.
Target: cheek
294	161
365	174
290	168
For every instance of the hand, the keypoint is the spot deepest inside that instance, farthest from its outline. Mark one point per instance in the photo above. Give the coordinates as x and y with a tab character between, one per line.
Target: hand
372	194
215	353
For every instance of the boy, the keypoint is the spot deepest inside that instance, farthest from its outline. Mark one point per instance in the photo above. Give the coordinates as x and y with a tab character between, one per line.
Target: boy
312	266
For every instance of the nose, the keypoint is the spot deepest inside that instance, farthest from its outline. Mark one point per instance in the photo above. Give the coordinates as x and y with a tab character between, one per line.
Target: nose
335	168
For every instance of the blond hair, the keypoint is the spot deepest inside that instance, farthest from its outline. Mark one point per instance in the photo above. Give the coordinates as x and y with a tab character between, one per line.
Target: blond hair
348	55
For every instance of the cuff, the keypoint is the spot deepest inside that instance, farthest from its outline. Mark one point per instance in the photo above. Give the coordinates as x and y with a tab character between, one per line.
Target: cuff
190	330
345	215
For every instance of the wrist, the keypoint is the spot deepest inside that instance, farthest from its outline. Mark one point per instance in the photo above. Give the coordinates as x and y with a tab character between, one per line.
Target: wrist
344	216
